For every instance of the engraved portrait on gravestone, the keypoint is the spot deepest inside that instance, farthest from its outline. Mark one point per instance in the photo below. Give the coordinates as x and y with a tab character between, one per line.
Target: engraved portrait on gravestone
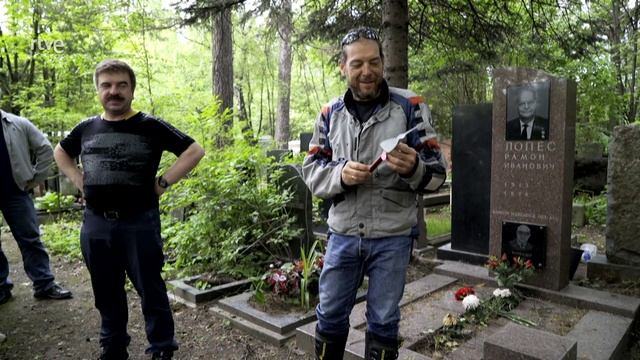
527	241
528	112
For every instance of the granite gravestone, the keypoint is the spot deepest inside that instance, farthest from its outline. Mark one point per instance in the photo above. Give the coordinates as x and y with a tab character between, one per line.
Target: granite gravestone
305	139
623	202
300	206
532	173
471	185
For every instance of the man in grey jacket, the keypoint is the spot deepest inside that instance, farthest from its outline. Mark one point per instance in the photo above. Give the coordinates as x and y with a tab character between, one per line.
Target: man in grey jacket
25	157
373	218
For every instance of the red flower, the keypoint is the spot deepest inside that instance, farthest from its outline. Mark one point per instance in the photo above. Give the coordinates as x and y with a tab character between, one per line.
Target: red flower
492	263
299	266
504	257
528	264
463	292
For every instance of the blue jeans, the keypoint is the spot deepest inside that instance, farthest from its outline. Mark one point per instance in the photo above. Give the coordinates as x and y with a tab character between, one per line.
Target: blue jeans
128	245
346	261
20	215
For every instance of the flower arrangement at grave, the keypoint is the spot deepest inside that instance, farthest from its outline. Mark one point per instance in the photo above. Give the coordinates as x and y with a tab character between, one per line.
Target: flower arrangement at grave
292	282
477	312
508	274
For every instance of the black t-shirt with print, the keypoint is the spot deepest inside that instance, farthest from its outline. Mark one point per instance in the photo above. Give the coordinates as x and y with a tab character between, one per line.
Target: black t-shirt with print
120	159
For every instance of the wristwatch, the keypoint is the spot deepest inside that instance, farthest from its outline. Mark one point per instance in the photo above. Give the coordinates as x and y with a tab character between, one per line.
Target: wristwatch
162	182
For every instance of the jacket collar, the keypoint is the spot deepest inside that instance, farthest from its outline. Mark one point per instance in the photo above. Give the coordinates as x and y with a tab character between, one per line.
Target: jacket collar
382	99
3	116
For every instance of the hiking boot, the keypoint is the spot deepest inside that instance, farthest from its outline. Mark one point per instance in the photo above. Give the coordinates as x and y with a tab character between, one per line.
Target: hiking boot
329	347
380	348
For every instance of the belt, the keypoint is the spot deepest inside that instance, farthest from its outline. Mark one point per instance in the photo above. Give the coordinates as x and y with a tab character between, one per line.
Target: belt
116	214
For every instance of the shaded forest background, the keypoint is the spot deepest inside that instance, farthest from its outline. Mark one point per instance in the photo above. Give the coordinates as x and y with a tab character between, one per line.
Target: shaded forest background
269	65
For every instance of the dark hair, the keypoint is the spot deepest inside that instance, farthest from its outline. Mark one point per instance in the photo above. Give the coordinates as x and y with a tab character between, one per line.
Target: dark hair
114	66
356	34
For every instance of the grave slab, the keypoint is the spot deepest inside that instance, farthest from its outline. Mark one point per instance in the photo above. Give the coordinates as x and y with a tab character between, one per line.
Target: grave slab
417	318
519	342
472	349
191	296
465	272
571	295
238	305
445	252
601	336
600	267
258	332
413	291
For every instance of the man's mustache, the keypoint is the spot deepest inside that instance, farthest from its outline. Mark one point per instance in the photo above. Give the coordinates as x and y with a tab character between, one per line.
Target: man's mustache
115	97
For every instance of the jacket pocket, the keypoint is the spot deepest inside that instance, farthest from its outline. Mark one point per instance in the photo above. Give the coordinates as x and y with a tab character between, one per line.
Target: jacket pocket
395	200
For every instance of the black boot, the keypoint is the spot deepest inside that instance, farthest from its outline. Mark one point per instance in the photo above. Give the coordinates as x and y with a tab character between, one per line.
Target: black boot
114	354
330	347
380	348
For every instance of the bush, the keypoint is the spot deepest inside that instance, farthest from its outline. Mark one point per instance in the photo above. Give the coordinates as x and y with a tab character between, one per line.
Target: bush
63	237
54	201
595	208
236	217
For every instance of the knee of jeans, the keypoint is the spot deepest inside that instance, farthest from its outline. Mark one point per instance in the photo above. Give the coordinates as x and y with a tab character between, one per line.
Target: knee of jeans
332	319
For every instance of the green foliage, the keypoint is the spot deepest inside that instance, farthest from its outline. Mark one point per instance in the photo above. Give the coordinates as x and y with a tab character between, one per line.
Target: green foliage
310	272
595	208
236	214
54	201
63	236
439	223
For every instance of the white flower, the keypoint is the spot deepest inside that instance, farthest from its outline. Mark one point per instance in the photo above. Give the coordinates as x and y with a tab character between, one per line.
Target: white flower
470	302
503	293
282	278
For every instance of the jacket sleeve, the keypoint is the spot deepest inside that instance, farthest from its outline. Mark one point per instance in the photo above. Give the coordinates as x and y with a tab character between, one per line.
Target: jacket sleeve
430	172
40	150
320	173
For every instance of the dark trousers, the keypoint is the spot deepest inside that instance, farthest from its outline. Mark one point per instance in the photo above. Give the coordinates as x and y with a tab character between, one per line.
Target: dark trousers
115	245
20	215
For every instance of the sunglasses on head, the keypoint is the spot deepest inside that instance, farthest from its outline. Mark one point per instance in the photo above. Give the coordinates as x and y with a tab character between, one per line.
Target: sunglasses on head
361	33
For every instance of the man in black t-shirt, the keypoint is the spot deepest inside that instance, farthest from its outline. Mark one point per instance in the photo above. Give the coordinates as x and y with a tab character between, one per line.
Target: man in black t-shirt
120	152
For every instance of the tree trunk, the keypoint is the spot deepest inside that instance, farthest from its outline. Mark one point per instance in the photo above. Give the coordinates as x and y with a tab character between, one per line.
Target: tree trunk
285	28
222	64
395	30
615	36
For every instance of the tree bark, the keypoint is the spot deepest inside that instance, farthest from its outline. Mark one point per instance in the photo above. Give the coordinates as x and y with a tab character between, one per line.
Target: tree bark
395	30
285	28
222	64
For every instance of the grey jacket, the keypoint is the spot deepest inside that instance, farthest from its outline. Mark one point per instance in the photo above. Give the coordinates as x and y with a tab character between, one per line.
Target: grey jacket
387	204
30	153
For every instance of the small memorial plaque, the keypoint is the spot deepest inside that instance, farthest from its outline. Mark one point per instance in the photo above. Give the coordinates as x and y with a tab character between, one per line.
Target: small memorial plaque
527	241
